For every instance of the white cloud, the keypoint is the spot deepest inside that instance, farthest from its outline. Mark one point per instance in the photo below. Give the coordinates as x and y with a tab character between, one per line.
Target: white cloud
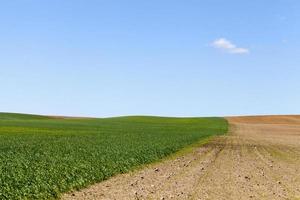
228	46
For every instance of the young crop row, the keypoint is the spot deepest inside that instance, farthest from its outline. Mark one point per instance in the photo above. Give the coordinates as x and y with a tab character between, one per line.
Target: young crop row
40	158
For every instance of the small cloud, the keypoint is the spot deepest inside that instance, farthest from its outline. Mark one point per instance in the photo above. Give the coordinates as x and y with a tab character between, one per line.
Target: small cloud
228	46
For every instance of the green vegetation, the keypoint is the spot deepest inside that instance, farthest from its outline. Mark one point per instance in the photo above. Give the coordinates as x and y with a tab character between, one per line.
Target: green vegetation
42	157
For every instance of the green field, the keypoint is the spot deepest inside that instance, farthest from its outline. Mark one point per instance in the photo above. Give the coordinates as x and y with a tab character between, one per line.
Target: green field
42	157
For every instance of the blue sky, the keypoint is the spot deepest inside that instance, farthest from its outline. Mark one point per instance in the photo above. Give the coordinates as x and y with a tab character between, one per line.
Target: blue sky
158	57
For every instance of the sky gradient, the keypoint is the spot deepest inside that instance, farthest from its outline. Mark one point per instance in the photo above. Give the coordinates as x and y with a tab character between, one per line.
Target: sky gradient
170	58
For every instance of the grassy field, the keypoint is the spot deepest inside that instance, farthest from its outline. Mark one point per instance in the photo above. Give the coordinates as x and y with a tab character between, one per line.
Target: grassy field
42	157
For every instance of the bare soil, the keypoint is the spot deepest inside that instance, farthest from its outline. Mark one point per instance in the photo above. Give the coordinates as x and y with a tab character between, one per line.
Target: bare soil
258	159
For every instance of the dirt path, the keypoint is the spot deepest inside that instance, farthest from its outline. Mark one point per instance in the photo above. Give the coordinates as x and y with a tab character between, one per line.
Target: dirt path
259	159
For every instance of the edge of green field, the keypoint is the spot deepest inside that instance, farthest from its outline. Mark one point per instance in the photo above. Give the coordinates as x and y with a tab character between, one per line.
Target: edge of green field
181	152
42	157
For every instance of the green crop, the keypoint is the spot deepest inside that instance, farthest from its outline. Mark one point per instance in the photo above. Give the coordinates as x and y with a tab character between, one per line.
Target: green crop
43	157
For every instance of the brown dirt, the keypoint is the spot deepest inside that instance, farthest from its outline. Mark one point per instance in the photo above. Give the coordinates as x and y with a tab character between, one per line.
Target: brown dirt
258	159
